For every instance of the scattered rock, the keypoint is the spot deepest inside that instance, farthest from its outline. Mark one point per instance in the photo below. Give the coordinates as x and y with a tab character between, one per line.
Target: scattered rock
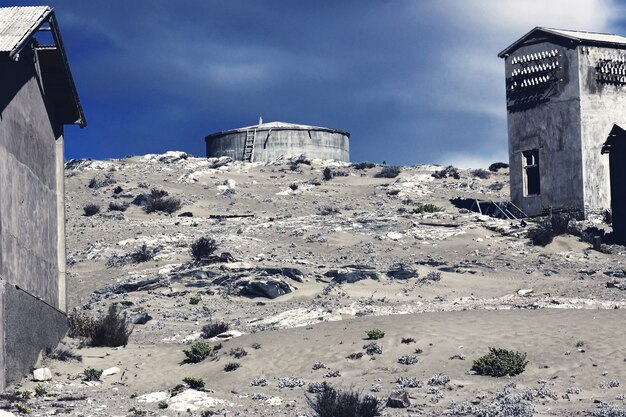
270	288
111	371
42	374
402	272
153	397
398	399
141	318
395	235
353	274
194	400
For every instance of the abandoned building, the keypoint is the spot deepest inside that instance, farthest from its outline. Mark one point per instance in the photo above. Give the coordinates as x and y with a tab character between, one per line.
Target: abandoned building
37	98
269	141
566	96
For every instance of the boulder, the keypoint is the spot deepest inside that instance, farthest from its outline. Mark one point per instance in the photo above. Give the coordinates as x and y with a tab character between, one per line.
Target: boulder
270	288
402	272
398	399
42	374
111	371
141	318
351	275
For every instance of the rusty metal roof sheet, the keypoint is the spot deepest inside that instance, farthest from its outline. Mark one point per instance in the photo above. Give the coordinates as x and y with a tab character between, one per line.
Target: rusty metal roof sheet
17	25
576	36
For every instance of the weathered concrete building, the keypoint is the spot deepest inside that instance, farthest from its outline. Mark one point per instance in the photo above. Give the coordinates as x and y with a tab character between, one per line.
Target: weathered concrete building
37	98
269	141
565	93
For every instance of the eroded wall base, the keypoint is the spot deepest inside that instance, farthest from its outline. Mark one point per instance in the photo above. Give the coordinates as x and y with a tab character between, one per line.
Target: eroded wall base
28	326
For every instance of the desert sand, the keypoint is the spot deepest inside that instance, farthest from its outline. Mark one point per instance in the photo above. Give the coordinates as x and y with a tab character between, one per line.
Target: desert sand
477	283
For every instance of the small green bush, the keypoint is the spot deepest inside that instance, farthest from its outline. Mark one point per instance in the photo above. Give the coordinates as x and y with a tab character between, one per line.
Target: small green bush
500	362
194	300
364	165
231	366
91	374
163	405
198	352
375	334
498	165
426	208
480	173
194	383
115	206
41	390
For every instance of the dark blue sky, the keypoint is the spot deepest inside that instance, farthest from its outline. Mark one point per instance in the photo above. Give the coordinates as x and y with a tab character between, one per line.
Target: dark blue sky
413	81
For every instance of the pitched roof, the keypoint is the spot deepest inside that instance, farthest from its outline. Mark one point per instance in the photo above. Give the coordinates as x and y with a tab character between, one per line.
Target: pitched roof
18	26
579	37
278	126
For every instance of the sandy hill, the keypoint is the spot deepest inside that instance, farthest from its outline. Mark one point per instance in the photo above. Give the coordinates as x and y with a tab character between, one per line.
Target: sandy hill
304	267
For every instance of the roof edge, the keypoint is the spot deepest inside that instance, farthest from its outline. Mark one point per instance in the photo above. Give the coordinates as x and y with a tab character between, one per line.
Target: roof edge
29	34
267	128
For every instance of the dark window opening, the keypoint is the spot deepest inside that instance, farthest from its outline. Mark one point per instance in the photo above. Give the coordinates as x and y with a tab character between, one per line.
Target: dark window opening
531	172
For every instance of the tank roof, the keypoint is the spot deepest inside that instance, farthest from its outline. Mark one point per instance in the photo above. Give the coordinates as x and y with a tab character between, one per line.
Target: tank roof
277	126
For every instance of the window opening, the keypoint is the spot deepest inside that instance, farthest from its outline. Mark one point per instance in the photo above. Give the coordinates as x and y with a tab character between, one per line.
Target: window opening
531	172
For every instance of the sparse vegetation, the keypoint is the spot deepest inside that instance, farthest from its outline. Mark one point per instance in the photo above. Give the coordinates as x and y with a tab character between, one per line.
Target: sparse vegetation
41	390
231	366
407	359
111	330
480	173
115	206
165	204
63	354
448	171
96	183
373	349
162	405
407	340
426	208
198	352
91	209
329	211
194	383
375	334
238	352
203	248
500	362
92	374
548	227
330	402
391	171
497	165
80	324
212	329
329	174
364	165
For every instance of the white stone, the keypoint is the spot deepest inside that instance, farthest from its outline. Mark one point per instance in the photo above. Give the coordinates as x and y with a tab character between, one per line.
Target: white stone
111	371
525	291
274	401
153	397
395	235
193	400
6	414
42	374
230	334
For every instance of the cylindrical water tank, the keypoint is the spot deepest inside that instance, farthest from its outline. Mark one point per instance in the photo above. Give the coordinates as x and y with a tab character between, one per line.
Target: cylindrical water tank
269	141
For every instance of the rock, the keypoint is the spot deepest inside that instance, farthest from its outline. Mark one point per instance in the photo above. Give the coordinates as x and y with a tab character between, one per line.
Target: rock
525	291
6	414
402	272
292	273
395	235
194	400
153	397
271	288
186	214
398	399
351	275
228	335
233	266
111	371
141	318
42	374
620	284
274	401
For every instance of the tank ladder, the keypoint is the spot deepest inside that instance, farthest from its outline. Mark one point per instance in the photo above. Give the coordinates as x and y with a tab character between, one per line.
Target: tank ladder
248	147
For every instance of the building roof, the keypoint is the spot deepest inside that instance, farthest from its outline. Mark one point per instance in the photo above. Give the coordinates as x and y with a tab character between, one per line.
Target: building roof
578	37
18	27
277	126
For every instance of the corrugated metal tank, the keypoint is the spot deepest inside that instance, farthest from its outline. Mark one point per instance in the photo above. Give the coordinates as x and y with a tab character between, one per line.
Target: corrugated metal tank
269	141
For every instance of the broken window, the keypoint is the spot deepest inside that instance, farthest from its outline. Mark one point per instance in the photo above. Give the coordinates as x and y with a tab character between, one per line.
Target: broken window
530	160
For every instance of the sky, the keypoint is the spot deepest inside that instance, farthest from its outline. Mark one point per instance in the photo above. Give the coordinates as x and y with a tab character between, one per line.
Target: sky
413	81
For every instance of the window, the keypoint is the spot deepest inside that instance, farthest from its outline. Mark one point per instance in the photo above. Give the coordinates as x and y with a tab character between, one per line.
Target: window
530	159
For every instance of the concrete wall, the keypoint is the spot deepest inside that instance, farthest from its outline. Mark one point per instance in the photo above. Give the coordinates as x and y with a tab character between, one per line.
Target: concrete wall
270	145
552	126
30	228
602	105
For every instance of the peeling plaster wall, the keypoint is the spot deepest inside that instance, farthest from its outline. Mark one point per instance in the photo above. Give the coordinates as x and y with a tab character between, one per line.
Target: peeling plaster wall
602	105
554	128
270	145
